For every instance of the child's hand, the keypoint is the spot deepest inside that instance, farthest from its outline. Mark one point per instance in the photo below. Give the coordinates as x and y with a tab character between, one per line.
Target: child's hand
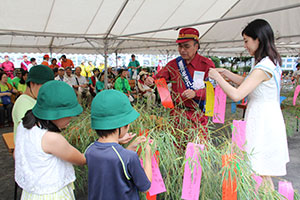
148	165
133	145
126	138
148	150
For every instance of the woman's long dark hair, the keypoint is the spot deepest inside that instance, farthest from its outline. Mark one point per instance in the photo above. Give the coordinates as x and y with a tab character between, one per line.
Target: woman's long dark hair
29	121
24	72
1	74
99	76
262	30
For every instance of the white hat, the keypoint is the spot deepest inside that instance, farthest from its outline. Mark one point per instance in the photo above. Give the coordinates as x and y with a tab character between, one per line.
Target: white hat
143	73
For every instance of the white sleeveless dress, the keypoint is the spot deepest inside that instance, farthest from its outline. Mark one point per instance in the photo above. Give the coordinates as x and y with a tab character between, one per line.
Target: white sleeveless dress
39	174
266	140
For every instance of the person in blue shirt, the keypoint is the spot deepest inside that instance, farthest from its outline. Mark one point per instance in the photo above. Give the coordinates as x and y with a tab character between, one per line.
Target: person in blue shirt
113	171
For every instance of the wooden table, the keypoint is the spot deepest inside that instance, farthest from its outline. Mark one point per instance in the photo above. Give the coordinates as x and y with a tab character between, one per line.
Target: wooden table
8	139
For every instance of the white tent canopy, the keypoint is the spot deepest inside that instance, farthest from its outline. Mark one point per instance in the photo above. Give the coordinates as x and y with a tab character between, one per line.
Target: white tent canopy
141	26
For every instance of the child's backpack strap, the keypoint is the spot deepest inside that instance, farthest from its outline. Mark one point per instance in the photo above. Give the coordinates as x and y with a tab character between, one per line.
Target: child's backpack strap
123	165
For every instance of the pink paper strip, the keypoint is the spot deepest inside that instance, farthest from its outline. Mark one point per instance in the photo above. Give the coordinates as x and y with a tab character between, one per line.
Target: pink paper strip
297	90
239	133
258	180
286	189
220	105
157	184
192	180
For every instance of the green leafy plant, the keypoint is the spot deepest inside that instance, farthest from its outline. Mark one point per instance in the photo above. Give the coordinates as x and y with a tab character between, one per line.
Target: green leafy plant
171	135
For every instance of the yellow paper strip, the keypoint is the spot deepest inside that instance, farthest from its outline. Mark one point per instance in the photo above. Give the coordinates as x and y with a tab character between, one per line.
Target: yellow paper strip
210	99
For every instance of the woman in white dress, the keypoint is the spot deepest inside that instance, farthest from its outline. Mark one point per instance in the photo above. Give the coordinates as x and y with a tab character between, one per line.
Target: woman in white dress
266	141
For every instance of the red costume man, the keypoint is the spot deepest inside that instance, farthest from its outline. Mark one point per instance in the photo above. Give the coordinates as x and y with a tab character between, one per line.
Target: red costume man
25	63
8	67
46	58
180	72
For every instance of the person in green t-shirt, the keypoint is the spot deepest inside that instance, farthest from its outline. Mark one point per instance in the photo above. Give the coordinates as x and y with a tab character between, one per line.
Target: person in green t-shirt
17	78
122	84
6	92
10	81
134	65
37	76
22	84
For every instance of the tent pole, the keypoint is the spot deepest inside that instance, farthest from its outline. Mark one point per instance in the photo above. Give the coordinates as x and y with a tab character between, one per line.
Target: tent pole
94	46
116	18
105	63
50	52
168	55
50	47
116	52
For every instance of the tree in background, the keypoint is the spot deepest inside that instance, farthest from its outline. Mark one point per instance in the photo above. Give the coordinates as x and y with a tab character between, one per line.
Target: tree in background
246	59
235	61
216	61
232	60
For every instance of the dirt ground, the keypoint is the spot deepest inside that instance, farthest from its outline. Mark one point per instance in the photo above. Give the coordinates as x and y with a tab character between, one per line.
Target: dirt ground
7	165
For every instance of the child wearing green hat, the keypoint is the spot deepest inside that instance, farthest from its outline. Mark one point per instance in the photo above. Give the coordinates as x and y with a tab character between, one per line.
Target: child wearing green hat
43	157
114	172
37	76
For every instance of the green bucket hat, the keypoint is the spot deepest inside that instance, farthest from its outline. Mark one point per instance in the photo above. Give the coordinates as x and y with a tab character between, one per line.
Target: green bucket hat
56	100
40	74
111	109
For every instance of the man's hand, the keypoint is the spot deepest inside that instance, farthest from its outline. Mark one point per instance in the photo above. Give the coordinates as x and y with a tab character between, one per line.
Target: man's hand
126	138
133	145
149	81
189	94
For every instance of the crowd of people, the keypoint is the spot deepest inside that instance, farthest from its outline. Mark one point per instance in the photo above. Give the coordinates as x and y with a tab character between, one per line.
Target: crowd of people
46	107
86	80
